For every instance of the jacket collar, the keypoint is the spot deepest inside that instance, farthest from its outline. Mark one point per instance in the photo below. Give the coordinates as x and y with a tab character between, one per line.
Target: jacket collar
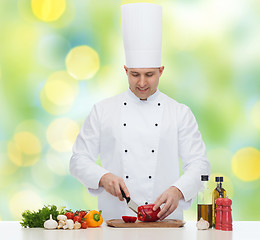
151	98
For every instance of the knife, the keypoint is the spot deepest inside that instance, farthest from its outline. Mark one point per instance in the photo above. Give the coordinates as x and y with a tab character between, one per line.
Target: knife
130	203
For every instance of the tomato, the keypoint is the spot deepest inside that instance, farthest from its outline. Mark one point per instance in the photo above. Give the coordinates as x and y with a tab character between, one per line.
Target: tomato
128	219
84	224
77	219
69	215
82	213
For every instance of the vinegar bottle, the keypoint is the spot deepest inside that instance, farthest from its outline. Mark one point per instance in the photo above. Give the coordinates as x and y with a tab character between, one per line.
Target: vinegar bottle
205	201
219	191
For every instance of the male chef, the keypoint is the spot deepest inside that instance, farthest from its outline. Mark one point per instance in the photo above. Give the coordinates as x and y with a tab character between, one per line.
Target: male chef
140	134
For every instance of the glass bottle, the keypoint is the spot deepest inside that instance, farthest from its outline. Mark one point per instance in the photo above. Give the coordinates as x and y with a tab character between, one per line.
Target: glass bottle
205	201
219	191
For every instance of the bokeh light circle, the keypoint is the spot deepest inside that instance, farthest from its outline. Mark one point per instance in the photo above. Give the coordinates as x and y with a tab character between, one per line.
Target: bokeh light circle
24	149
6	167
27	143
33	126
61	88
23	200
82	62
52	108
246	164
62	133
58	162
48	10
255	115
59	93
14	153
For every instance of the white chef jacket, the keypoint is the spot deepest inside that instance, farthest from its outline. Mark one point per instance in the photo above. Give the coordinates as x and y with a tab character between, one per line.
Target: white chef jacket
140	141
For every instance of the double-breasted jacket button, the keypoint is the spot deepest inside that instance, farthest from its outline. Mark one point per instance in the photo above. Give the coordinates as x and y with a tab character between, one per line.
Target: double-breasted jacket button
152	151
125	150
125	103
126	176
124	124
159	104
156	124
150	177
146	203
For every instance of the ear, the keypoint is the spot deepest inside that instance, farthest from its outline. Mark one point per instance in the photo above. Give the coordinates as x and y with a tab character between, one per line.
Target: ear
126	69
161	70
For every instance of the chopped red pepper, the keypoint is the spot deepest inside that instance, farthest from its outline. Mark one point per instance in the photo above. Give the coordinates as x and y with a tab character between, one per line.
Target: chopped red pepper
147	214
128	219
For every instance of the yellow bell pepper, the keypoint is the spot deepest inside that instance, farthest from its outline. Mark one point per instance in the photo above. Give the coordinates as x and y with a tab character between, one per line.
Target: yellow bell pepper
93	218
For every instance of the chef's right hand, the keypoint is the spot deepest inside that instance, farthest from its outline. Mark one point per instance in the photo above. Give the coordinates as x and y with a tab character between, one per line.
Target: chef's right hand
112	185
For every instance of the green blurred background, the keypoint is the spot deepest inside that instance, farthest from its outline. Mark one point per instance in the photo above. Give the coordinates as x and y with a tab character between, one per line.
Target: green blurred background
59	57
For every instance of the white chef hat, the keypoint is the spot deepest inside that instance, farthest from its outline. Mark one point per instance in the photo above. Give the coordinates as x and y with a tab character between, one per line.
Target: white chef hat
142	34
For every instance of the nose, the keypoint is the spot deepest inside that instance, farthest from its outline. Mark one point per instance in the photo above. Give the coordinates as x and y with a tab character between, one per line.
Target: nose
142	81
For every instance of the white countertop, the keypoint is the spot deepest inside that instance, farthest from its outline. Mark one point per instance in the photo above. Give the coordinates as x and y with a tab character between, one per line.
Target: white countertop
241	231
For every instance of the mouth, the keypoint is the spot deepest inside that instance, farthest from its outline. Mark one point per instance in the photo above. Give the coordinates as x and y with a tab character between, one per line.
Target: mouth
142	90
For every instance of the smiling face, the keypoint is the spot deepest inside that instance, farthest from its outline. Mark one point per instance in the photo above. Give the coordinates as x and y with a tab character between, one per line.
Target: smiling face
143	82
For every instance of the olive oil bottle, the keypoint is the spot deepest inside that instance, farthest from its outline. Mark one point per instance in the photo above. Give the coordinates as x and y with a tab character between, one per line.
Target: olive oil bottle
219	191
205	201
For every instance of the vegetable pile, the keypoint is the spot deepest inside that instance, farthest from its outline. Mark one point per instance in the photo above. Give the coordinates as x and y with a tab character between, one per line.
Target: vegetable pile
50	217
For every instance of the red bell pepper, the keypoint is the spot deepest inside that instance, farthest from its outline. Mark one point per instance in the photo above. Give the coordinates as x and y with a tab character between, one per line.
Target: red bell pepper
128	219
147	214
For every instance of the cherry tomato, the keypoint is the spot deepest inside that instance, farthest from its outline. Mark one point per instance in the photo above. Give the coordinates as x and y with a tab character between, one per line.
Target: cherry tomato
77	219
128	219
84	224
69	215
82	213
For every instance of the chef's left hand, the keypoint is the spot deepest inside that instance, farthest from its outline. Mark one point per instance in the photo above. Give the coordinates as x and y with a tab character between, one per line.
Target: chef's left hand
171	199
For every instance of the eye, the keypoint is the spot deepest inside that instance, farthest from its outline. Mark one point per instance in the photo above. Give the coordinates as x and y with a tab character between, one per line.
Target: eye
149	75
135	75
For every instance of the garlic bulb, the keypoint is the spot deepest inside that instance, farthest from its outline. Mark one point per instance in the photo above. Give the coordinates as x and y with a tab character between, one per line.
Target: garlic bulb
50	224
202	224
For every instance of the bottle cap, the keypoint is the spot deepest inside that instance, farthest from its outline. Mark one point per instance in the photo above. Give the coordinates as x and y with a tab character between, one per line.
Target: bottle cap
221	179
227	202
204	177
217	179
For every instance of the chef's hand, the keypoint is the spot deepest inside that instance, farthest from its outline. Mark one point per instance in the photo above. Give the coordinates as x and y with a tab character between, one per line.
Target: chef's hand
171	199
112	185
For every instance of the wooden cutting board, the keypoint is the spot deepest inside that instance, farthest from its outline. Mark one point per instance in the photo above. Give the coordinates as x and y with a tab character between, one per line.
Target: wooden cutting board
119	223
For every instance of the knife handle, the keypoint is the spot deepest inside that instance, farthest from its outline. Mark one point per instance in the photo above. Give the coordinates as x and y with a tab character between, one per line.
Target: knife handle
124	196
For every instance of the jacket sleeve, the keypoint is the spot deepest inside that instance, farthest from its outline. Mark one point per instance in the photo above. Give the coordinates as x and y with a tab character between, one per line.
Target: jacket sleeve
85	153
192	152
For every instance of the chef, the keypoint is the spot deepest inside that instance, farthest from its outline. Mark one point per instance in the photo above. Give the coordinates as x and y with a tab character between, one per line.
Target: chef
141	134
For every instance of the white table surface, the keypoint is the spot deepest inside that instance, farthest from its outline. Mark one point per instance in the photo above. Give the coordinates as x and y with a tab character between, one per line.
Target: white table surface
241	230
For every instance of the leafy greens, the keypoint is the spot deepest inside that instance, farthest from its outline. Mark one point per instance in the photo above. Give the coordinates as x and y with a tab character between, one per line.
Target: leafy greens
34	219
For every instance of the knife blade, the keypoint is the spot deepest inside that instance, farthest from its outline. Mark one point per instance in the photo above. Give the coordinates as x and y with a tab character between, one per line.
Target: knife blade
130	203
